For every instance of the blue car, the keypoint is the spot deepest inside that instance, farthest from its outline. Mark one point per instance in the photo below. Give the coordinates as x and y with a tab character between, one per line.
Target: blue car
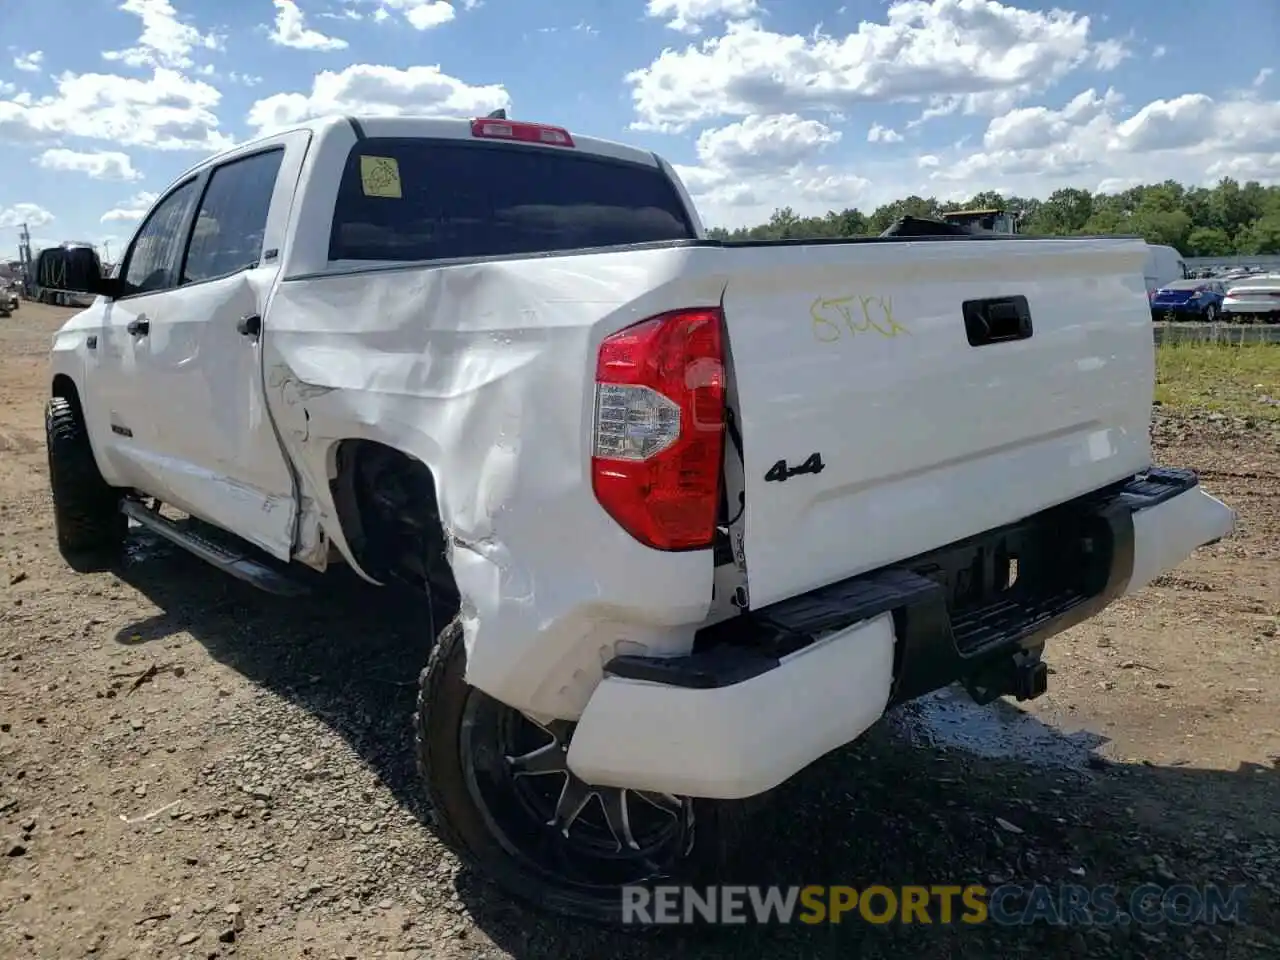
1188	300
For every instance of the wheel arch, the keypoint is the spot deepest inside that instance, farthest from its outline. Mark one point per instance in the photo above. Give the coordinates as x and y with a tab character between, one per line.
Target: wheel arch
387	507
64	386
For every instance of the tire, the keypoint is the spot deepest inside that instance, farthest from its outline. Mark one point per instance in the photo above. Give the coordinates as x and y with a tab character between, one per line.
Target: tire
86	510
1211	314
511	845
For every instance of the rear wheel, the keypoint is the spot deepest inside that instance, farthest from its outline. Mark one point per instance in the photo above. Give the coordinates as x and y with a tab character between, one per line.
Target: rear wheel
86	510
1211	313
507	804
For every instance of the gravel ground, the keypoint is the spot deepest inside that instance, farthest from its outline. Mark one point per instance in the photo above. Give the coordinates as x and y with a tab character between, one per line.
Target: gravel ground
191	769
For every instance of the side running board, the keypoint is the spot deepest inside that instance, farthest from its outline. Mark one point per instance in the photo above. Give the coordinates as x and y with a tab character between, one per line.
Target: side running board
225	558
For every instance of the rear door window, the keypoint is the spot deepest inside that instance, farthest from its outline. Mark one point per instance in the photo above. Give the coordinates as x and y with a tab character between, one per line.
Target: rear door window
424	199
232	219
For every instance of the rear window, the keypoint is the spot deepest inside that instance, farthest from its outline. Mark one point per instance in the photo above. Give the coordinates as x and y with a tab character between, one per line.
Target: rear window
421	199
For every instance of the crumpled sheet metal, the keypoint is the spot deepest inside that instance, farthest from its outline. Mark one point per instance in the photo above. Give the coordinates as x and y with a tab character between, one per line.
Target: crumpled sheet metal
484	372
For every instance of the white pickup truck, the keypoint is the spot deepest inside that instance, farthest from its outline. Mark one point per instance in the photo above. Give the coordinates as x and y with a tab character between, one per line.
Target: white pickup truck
691	514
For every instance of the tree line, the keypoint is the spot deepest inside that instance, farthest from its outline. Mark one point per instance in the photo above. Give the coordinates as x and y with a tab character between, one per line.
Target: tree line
1230	218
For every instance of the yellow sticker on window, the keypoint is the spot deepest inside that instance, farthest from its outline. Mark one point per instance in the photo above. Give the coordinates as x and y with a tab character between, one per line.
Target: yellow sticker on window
380	177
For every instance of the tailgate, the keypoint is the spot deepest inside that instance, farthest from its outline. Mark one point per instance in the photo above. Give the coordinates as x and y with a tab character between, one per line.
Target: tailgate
879	423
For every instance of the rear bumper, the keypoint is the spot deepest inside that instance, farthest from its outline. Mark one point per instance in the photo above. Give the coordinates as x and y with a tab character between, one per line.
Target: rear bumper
766	694
1189	307
1264	305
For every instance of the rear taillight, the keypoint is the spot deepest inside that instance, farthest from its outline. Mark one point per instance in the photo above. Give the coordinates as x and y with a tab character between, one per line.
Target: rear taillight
659	428
524	132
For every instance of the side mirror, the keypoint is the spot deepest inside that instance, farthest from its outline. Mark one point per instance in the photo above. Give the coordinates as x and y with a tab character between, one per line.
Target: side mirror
74	269
106	286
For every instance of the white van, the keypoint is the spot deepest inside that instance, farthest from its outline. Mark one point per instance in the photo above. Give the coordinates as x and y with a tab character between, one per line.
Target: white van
1164	264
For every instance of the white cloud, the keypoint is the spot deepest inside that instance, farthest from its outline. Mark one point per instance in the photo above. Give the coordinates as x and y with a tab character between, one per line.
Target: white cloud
1038	127
291	31
29	62
1191	138
1109	54
760	162
165	40
1263	76
167	111
687	16
1096	141
982	50
374	90
879	134
1262	167
1158	52
726	200
135	208
33	215
776	143
101	165
580	27
420	14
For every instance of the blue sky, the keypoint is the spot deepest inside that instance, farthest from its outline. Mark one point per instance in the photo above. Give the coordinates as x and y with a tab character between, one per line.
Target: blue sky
815	104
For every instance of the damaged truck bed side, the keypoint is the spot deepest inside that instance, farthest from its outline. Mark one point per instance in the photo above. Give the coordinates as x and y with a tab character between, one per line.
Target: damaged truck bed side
690	514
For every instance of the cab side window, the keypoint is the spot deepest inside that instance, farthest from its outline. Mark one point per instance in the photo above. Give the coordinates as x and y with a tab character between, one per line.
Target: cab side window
232	218
152	260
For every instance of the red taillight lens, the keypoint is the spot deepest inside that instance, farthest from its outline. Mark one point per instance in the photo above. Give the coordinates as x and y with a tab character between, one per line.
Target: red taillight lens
524	132
659	428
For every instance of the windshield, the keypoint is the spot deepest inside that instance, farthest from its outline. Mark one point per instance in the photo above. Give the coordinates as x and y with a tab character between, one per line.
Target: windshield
1183	285
423	199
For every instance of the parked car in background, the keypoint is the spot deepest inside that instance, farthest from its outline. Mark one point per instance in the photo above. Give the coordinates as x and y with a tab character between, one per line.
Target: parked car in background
1255	300
1164	265
1188	300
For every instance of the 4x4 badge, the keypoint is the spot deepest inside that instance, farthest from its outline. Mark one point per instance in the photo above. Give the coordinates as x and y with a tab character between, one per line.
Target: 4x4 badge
780	471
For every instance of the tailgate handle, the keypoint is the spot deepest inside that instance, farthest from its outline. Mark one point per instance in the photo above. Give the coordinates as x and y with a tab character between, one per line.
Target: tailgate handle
996	320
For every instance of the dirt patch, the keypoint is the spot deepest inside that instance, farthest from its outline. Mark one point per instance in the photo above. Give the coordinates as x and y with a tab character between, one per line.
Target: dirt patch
189	768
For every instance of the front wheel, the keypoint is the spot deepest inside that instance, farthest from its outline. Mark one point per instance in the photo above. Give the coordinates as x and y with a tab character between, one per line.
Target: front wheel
86	510
506	803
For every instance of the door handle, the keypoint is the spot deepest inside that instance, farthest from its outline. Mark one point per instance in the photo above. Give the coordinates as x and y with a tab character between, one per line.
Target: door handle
139	327
249	326
996	320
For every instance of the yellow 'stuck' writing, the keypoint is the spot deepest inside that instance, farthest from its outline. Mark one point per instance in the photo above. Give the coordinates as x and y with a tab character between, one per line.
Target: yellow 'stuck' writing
833	316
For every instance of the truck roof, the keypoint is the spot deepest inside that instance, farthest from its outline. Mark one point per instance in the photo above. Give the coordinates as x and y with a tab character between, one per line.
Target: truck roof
450	128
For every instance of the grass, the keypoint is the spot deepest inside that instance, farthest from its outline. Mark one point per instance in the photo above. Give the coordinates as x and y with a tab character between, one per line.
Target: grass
1240	380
